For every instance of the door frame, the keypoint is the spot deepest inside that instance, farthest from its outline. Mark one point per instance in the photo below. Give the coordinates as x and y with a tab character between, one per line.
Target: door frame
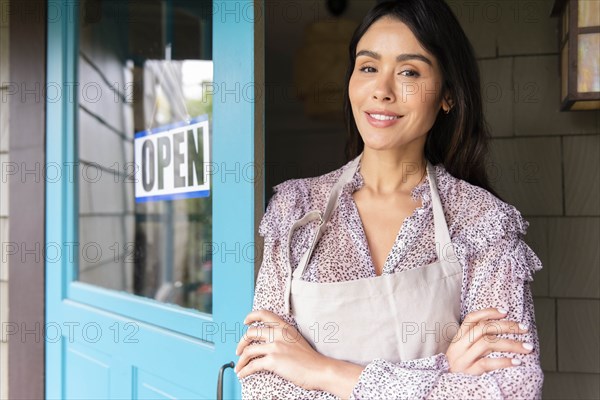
237	125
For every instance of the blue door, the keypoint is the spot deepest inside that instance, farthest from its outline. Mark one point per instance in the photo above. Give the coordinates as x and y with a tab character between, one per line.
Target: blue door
147	283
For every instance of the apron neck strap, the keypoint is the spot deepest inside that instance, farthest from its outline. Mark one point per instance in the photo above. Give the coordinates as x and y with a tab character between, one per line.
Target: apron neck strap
334	195
443	245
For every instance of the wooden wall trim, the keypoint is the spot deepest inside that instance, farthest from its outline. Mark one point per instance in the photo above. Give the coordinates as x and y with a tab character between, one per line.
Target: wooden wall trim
27	47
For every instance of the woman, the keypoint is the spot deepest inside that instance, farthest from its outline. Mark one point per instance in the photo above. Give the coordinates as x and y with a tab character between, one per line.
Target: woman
448	311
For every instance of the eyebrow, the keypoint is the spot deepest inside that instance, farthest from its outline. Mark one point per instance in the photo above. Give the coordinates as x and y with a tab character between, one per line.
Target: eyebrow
400	58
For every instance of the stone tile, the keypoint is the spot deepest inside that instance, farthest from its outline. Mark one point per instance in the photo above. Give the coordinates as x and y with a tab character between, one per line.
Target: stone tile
545	320
107	262
537	239
480	23
537	103
526	173
562	386
574	257
578	335
128	121
101	145
496	83
4	178
106	160
3	256
4	117
4	56
582	175
99	193
3	370
525	27
100	97
3	309
102	239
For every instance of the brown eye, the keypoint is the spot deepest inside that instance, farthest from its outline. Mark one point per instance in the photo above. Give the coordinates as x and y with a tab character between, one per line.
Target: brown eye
410	73
367	69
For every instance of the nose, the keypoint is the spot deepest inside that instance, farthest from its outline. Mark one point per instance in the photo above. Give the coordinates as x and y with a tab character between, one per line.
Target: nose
384	88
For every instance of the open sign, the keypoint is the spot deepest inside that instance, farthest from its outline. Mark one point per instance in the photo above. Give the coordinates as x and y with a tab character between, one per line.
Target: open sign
170	161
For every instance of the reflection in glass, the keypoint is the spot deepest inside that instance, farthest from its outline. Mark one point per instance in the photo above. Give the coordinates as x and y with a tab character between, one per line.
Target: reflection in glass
589	13
588	63
143	65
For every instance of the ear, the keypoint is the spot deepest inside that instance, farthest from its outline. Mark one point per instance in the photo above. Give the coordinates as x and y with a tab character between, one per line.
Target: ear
447	103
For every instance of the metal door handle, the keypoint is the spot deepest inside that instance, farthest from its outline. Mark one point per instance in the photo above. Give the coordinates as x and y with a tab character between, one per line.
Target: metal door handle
220	380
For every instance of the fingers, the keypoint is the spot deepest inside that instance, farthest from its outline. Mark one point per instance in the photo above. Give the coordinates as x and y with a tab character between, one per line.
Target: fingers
250	353
264	321
485	329
477	337
491	364
464	337
485	314
484	347
257	364
270	333
480	323
256	334
262	316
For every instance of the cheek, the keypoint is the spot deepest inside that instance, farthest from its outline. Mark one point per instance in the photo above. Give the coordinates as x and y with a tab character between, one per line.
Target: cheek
352	91
427	104
356	99
429	112
358	89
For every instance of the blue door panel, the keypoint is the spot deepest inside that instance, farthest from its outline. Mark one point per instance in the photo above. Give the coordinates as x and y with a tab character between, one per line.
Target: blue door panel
81	363
107	339
151	386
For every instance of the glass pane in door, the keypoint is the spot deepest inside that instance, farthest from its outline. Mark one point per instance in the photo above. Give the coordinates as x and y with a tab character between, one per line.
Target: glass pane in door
144	70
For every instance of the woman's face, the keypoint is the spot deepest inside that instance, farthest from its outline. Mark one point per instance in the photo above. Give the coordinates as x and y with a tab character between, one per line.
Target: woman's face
395	87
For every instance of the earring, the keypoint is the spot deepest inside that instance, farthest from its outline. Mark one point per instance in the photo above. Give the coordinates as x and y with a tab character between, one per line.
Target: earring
448	110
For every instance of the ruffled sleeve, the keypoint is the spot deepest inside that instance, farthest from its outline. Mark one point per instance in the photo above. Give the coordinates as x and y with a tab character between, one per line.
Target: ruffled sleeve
526	263
286	205
499	227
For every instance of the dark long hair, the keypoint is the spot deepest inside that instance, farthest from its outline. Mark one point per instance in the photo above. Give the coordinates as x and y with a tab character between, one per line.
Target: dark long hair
458	140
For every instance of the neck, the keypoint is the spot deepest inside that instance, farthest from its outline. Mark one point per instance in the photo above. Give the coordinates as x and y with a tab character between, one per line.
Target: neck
391	171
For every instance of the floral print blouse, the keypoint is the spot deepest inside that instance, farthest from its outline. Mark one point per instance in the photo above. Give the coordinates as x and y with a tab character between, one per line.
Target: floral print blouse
498	267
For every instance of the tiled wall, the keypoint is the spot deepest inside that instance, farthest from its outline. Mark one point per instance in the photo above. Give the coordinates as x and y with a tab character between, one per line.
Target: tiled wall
3	199
547	164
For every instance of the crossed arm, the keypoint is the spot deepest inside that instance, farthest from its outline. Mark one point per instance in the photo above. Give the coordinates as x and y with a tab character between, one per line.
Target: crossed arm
495	279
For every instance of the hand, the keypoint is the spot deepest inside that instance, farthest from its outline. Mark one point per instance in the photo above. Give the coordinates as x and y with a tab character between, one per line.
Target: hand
474	340
282	350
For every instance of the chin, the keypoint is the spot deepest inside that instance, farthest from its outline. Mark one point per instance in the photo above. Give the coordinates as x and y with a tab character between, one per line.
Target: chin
385	142
382	140
379	146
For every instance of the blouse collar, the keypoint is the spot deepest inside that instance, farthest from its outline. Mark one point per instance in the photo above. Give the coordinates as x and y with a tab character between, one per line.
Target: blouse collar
421	191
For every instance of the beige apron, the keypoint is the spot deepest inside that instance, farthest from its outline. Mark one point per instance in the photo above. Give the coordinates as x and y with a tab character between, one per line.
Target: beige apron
401	316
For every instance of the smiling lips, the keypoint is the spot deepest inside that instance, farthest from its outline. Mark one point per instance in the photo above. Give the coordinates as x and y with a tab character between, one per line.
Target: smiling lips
382	119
